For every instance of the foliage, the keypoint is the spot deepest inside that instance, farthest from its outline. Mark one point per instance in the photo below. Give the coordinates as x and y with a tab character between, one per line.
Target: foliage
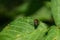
22	25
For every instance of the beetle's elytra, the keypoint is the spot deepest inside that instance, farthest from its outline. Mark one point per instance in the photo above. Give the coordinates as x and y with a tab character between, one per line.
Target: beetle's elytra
36	23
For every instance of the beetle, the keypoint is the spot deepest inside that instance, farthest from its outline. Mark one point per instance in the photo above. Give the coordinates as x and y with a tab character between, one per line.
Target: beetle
36	23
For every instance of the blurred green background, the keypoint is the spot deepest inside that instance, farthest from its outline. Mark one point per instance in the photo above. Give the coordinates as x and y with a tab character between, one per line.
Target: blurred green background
10	9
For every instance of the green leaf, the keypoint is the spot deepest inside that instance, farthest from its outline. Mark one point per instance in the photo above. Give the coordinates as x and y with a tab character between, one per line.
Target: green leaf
53	33
16	28
36	34
47	4
55	6
42	14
